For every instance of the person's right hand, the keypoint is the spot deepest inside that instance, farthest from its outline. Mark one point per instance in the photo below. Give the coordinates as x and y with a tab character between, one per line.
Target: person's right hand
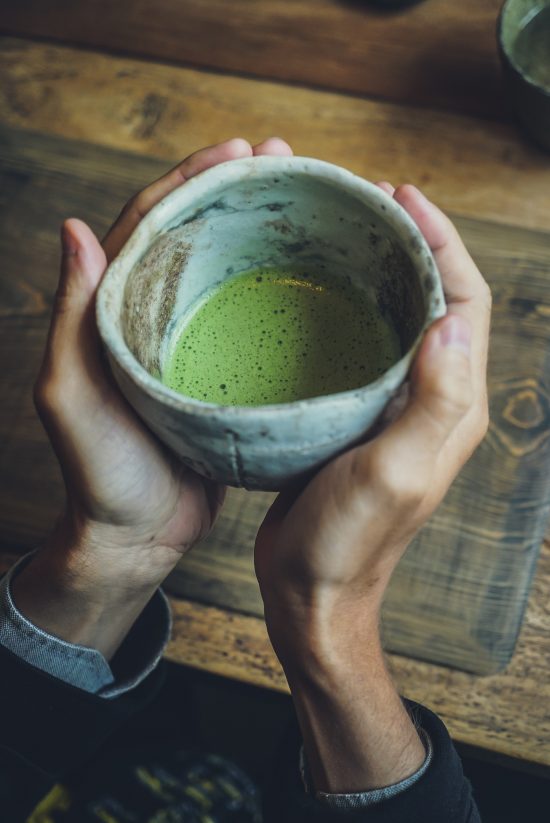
132	507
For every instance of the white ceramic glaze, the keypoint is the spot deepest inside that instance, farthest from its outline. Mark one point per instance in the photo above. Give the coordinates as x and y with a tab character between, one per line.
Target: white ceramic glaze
241	215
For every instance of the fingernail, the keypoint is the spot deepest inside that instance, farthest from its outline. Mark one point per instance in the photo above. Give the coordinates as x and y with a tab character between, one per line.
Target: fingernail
456	332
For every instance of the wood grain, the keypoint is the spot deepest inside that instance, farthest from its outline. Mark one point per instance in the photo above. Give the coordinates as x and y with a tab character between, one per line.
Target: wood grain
458	596
41	183
505	713
467	165
439	53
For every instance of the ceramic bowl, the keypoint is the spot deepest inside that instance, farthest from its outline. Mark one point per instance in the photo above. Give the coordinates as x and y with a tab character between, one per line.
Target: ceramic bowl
239	216
529	98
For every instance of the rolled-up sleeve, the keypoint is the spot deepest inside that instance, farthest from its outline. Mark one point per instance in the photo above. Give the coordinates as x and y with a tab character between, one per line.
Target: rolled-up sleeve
79	666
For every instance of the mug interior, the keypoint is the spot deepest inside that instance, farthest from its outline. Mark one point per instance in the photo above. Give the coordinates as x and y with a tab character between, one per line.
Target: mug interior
287	220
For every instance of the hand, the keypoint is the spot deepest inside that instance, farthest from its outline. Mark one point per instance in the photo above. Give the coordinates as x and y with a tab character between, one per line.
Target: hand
132	508
325	553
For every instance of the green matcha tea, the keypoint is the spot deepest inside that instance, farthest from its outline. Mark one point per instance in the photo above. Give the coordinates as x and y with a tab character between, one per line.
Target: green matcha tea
273	336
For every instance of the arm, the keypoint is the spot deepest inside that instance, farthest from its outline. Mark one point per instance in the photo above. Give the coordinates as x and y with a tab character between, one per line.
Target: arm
132	510
326	552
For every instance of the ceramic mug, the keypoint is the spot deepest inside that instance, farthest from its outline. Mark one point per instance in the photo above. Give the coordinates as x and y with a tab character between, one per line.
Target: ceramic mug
247	214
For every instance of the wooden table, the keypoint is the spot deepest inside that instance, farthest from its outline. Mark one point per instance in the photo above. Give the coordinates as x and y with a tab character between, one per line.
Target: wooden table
411	97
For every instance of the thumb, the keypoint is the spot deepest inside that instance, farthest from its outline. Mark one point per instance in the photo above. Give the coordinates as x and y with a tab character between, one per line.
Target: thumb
83	262
441	392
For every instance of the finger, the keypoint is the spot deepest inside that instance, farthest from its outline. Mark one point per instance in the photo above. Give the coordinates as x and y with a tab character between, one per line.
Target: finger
465	289
136	208
462	279
82	265
274	146
387	187
404	456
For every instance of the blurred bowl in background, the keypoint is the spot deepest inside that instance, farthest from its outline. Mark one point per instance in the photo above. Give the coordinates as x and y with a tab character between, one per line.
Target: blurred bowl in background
523	33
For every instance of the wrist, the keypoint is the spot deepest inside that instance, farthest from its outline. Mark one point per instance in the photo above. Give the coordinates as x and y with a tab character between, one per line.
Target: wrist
105	560
80	594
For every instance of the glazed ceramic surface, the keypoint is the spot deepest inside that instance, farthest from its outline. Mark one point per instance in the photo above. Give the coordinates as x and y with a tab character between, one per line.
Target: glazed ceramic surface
242	215
529	99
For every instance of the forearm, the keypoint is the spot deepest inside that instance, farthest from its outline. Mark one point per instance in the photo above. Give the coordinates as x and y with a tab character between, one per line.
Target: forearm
357	734
356	731
364	755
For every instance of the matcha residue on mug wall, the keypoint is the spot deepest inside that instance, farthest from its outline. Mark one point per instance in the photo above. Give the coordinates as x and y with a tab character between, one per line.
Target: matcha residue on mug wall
272	336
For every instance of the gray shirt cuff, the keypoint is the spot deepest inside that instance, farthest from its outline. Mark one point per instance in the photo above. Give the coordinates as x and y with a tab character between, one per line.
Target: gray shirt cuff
80	666
360	800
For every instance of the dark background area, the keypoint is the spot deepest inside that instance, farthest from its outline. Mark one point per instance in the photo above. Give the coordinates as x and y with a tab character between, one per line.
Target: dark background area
246	724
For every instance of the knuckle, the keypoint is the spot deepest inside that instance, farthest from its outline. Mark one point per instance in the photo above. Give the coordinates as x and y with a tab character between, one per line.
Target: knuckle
40	395
453	392
131	207
61	301
130	204
476	425
46	396
486	296
124	210
402	487
482	420
137	205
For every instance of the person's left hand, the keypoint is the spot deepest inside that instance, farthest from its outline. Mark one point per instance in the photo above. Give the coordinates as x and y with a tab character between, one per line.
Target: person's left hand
327	552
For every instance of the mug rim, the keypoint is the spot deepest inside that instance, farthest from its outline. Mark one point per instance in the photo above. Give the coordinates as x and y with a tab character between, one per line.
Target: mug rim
232	171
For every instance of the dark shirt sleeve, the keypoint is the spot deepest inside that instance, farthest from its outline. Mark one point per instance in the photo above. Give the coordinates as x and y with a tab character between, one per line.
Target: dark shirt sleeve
441	795
49	728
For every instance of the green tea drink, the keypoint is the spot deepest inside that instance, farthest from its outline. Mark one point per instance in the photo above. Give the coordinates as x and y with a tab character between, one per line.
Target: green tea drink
273	336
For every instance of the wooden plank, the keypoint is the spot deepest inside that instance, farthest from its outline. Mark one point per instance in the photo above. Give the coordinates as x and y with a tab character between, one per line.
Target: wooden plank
469	166
473	562
505	713
437	53
48	182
